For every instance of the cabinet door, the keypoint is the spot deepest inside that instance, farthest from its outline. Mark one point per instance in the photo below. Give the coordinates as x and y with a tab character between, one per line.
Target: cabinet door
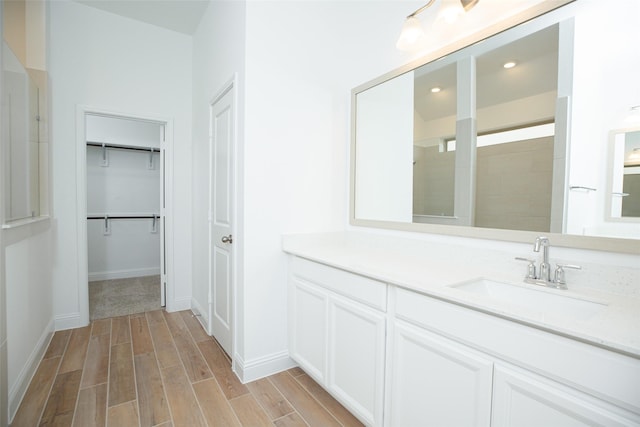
437	382
356	358
523	398
308	328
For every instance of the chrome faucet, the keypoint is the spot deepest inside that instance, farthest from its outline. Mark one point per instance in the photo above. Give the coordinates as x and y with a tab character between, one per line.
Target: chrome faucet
544	272
543	276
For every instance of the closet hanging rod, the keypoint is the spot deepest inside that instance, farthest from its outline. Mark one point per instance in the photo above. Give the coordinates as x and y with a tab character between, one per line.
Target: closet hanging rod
123	216
123	146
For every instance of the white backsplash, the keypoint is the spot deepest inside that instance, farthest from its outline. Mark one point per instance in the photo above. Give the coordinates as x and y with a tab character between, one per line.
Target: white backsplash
601	271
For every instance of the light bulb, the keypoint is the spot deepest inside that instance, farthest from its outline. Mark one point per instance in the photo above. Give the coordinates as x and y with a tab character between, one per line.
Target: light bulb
450	11
411	33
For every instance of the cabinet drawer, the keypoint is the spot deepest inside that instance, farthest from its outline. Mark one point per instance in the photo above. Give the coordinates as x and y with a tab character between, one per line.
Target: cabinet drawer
605	374
363	289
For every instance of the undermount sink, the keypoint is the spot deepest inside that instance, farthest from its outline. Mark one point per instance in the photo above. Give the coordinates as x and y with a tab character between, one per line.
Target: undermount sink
541	300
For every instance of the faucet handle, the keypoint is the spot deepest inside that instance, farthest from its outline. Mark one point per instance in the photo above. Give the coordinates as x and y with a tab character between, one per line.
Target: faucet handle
559	279
531	268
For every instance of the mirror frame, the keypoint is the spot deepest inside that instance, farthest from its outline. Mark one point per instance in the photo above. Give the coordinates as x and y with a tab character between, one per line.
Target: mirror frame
609	189
609	244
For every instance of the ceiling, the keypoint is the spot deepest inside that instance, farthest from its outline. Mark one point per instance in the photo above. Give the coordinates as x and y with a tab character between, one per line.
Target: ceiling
182	16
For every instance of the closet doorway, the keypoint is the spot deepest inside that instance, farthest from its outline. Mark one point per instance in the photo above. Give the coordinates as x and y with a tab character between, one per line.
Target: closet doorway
125	214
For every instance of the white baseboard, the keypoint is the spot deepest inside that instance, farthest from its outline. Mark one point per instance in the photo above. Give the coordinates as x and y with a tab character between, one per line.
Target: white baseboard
123	274
18	389
68	321
262	367
201	314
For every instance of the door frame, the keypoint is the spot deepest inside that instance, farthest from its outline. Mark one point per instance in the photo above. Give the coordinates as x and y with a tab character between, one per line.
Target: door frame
81	207
230	85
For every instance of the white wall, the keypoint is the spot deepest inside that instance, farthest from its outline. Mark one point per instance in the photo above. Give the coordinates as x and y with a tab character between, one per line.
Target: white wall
302	60
606	61
219	55
384	149
297	63
29	309
104	61
26	259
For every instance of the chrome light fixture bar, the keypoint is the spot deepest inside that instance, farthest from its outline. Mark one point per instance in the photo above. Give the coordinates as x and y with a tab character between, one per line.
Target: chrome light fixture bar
412	30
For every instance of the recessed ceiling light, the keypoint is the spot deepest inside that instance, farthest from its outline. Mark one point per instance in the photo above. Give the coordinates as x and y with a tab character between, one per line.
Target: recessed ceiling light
435	89
509	64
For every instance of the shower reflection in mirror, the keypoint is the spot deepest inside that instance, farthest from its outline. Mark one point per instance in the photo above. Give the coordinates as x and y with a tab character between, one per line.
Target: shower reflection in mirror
625	174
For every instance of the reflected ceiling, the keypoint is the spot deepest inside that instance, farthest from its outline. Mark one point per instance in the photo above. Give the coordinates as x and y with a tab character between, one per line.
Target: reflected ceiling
535	55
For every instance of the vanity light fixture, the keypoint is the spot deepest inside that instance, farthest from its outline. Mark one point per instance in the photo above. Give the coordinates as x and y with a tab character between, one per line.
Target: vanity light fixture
509	64
412	30
435	89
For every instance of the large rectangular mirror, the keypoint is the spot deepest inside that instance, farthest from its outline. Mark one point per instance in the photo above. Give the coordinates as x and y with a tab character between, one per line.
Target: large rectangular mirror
20	139
624	173
478	141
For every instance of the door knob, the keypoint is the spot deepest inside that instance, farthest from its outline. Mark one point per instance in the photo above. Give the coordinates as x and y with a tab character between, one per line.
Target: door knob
227	239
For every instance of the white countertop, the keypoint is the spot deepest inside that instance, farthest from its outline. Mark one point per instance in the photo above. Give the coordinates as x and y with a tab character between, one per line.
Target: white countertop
431	269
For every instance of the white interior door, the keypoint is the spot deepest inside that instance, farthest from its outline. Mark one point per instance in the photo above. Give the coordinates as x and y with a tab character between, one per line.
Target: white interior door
221	216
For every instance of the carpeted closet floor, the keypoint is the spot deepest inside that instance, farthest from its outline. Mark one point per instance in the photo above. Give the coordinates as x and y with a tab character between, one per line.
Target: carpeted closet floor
120	297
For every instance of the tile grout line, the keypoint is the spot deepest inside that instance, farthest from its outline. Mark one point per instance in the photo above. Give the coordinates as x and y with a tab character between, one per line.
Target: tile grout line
75	407
295	410
195	395
210	370
54	377
155	356
84	363
184	369
315	398
273	421
106	402
133	365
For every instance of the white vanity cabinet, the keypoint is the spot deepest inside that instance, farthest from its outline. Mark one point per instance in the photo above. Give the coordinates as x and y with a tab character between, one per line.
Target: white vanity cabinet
501	372
436	382
396	358
308	327
522	398
337	334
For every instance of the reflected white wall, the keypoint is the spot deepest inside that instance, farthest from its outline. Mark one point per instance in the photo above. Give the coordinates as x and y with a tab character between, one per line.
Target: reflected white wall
384	151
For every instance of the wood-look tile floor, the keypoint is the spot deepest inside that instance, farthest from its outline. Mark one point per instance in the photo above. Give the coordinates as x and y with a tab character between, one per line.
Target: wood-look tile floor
162	369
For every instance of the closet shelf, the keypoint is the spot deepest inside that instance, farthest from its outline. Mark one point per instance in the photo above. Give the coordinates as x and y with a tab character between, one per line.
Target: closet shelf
123	146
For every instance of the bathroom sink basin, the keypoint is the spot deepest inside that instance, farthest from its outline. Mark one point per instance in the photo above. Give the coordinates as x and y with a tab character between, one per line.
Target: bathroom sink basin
541	300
